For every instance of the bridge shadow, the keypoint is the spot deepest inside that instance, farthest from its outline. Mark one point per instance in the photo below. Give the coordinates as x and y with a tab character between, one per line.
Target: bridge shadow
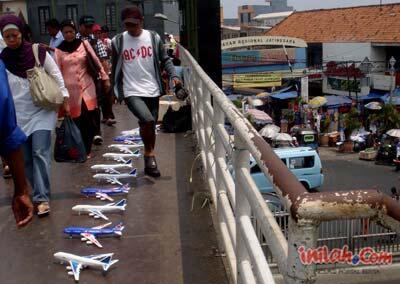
200	260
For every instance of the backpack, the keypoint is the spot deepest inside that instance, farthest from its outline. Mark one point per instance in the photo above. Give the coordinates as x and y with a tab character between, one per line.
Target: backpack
178	121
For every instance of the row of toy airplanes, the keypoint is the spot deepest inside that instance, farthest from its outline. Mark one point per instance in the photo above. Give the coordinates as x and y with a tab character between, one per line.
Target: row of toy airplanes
128	149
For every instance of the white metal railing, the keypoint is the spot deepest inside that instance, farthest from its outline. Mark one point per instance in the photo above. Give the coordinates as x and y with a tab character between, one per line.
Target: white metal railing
237	200
250	232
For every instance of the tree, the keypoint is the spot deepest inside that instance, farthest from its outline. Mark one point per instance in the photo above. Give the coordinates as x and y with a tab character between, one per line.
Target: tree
387	118
352	122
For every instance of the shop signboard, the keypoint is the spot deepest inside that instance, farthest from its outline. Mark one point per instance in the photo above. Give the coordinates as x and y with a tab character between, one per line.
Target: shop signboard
342	84
382	82
242	42
246	58
257	80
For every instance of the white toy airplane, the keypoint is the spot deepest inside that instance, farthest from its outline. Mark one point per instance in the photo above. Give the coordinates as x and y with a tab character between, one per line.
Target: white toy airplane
125	148
96	211
135	131
112	168
76	262
114	178
122	157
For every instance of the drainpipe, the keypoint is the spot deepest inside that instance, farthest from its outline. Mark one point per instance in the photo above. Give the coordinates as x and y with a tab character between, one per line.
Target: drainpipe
53	8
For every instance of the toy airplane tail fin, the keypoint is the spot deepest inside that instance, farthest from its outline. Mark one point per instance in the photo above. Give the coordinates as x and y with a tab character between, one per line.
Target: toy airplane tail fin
118	229
129	162
133	172
125	188
107	263
121	203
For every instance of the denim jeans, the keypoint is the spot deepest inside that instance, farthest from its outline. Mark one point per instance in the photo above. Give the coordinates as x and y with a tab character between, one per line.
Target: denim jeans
37	155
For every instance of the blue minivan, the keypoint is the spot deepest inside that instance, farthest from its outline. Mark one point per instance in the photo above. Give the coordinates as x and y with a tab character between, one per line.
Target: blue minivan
304	163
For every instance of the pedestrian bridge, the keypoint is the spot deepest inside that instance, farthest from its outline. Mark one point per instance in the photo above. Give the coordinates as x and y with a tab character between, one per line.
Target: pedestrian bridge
198	223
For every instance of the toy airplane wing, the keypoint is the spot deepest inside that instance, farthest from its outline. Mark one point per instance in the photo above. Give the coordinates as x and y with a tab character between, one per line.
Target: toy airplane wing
103	196
114	181
75	269
91	238
102	226
99	256
120	159
125	150
113	171
98	214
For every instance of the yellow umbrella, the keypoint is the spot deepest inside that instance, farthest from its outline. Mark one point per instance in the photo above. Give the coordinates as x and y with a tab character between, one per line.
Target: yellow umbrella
317	102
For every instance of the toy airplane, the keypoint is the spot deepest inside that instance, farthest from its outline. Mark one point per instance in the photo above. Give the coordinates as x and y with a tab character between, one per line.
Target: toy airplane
130	138
128	142
96	211
114	178
112	168
89	235
120	157
126	148
136	131
76	262
105	193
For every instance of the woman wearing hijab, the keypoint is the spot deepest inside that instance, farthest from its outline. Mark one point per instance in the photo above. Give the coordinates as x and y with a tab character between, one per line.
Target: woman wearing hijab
36	122
72	58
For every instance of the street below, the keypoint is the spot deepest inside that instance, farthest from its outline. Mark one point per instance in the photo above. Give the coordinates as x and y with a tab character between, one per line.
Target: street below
348	172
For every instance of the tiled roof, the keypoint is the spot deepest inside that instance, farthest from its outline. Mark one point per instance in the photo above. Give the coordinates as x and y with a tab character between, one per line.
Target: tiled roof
378	24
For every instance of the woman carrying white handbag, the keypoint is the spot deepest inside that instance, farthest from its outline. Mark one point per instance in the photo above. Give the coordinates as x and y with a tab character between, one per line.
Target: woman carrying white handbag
37	122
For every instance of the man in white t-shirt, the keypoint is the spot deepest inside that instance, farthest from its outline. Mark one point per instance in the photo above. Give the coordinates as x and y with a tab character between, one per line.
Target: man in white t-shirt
138	55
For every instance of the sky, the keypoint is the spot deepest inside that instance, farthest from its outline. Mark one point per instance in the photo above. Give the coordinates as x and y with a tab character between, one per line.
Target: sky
230	6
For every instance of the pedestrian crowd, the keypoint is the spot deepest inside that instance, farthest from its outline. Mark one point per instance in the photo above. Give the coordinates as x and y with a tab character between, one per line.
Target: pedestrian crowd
90	71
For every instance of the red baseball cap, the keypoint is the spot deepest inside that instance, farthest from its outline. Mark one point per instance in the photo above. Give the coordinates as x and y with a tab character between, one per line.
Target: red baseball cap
96	28
131	14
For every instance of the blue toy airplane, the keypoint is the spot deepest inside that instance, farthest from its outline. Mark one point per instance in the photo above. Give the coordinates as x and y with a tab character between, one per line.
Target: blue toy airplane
105	193
89	235
128	139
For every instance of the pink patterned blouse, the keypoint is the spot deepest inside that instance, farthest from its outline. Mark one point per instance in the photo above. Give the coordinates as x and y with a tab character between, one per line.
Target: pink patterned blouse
78	81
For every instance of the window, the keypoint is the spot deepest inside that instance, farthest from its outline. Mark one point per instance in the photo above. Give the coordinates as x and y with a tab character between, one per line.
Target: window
241	18
111	17
44	16
72	13
248	17
255	169
301	162
284	161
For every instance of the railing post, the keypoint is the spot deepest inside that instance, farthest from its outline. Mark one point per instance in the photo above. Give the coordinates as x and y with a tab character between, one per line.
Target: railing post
194	102
301	234
220	153
241	160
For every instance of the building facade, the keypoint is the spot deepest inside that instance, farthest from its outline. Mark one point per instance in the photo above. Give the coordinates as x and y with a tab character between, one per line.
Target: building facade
247	13
271	19
353	46
16	7
105	12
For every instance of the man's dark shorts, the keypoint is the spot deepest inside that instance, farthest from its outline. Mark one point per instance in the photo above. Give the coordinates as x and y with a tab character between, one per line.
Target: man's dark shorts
145	109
